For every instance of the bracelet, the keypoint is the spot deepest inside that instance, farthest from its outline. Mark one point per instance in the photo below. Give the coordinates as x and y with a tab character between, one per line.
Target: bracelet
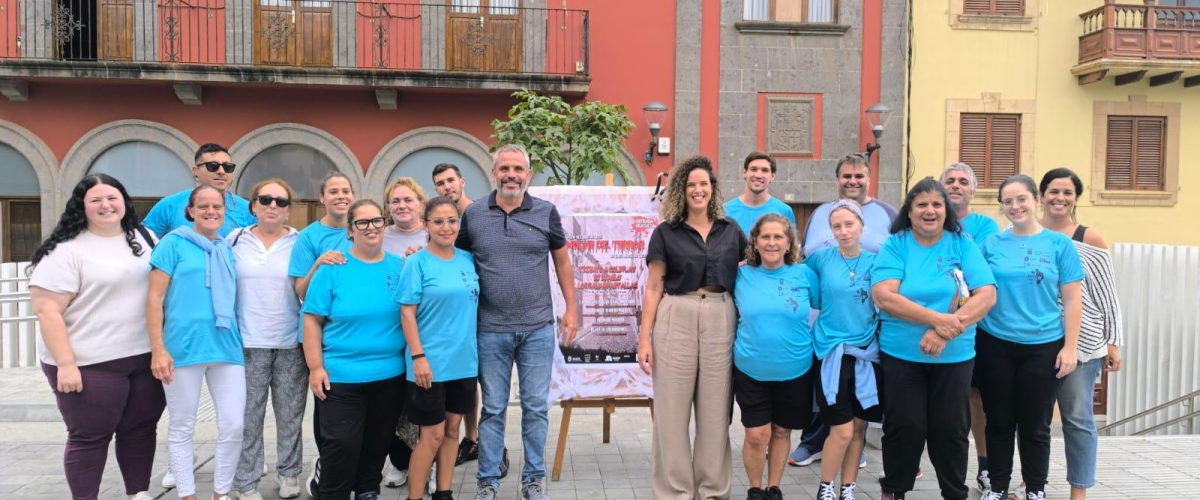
418	356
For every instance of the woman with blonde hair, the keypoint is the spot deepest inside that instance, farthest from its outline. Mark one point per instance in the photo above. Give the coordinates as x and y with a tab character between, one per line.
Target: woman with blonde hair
405	204
686	334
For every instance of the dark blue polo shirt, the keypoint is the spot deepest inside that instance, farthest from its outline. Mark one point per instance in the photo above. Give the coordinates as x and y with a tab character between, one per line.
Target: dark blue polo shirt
512	252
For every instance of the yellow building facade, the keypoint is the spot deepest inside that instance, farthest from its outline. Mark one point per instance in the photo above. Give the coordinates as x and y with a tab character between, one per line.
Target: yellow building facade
1111	91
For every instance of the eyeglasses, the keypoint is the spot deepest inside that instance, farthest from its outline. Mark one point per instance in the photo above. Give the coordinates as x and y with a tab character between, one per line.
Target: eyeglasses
280	201
452	221
212	166
363	224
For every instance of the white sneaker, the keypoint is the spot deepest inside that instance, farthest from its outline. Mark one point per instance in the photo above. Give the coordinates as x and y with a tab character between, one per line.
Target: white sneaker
249	495
392	477
289	487
142	495
168	480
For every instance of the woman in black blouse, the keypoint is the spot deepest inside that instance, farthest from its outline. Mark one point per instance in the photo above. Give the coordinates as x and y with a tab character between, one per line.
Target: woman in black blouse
686	335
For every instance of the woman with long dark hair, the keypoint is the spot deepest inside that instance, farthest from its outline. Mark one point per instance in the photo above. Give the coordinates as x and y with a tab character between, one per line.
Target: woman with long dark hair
686	337
192	323
1099	327
932	286
88	284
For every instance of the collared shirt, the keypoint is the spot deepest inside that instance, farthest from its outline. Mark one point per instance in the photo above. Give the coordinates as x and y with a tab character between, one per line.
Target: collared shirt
267	306
167	214
692	261
512	258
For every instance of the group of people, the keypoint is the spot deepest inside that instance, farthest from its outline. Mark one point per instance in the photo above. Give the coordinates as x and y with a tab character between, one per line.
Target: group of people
885	316
391	316
405	320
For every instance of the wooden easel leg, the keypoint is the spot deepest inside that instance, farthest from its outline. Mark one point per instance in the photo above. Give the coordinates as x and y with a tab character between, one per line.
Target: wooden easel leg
609	408
562	441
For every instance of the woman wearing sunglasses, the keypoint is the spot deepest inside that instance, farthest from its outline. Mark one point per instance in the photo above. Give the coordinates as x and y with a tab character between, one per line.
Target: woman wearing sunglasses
213	167
439	295
268	316
355	354
192	324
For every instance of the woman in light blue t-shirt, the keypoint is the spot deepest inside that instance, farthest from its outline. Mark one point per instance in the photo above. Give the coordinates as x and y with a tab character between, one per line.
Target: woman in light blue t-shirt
355	355
773	349
847	376
931	285
192	323
1027	342
439	297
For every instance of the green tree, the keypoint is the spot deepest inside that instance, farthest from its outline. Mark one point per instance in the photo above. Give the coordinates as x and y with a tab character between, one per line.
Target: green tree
573	142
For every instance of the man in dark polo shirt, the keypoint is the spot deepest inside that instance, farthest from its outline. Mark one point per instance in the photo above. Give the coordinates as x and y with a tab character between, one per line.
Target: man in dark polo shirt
513	235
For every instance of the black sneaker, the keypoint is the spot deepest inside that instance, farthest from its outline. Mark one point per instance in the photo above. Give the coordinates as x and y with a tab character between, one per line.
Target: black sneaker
369	495
442	495
504	465
756	494
314	480
467	450
774	493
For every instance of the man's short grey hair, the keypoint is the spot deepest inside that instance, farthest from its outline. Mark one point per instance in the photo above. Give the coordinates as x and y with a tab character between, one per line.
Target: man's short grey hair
962	167
510	148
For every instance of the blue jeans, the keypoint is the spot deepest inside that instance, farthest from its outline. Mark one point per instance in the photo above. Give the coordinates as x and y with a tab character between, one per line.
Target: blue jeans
1079	424
533	352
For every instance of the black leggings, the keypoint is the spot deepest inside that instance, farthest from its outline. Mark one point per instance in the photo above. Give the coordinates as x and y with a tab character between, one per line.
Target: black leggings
925	404
358	422
1019	385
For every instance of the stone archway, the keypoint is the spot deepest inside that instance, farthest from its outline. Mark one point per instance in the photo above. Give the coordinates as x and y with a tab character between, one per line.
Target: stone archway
258	140
422	138
44	164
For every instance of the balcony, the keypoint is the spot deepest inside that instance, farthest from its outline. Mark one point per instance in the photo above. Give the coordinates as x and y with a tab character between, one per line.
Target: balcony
1134	41
381	44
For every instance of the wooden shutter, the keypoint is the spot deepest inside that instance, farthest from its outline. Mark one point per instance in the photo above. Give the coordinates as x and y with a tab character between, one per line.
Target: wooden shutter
991	144
1134	153
994	7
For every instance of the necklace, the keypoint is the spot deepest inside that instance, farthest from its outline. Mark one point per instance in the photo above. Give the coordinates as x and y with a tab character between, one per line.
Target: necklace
853	270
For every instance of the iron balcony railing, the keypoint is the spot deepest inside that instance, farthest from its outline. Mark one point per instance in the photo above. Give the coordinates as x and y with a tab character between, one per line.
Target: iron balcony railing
495	36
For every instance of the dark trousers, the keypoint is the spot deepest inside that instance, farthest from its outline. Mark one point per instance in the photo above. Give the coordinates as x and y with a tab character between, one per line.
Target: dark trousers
399	453
926	404
358	421
1018	384
119	397
815	433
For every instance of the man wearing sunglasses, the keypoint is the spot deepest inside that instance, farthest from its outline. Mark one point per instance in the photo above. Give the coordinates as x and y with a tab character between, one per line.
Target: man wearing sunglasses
212	167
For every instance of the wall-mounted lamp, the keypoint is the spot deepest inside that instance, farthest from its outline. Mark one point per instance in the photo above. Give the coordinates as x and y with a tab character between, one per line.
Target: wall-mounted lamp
877	117
656	114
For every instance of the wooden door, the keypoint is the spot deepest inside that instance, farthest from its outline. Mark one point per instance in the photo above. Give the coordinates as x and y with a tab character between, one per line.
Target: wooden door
275	33
314	32
294	32
115	36
304	212
22	228
484	35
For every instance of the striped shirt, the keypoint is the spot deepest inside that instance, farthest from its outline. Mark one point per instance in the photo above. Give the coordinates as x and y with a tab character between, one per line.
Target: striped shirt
1101	321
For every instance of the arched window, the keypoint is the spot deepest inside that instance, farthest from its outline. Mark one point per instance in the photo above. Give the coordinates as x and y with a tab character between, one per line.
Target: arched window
301	167
149	172
20	206
419	165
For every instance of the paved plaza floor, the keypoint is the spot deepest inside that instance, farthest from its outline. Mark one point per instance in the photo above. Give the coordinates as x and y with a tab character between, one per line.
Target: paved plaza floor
32	437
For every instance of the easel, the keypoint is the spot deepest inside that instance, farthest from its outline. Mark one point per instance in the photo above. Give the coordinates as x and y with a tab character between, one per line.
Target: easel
610	406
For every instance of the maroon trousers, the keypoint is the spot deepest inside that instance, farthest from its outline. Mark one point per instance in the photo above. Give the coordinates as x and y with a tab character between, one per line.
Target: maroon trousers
119	397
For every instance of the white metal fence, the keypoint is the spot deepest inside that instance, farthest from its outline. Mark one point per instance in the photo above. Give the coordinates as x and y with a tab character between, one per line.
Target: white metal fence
18	326
1159	290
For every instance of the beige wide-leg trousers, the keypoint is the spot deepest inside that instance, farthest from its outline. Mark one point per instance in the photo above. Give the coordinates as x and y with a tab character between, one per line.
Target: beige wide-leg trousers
693	359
